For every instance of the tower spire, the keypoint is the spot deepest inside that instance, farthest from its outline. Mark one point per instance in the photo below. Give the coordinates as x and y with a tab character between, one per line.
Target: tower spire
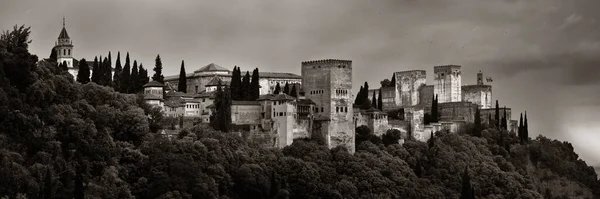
63	21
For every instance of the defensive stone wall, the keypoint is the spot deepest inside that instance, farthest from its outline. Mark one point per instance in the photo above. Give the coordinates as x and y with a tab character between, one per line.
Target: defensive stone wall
408	84
457	111
478	94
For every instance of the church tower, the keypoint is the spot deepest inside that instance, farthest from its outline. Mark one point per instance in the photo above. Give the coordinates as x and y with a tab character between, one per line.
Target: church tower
64	48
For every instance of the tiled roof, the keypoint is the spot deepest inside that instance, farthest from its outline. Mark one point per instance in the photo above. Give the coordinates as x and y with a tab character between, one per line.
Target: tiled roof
245	103
153	84
305	101
215	81
63	34
281	96
174	103
210	67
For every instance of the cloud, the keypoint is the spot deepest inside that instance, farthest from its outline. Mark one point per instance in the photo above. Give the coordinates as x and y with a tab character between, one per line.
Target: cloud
571	20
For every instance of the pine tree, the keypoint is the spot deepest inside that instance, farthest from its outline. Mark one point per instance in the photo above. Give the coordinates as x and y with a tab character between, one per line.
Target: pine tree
467	189
277	89
478	126
158	71
380	102
245	86
142	77
125	75
182	86
374	101
294	92
95	71
133	78
117	75
286	89
83	76
497	117
255	85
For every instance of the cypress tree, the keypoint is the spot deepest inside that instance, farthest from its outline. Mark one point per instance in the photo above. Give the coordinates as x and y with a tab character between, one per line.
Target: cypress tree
357	100
125	75
277	89
255	85
95	70
294	92
466	189
286	89
142	77
497	117
374	101
426	119
478	126
394	80
431	141
53	56
83	76
505	120
434	110
380	102
222	118
245	86
182	86
526	129
490	122
158	71
106	73
365	96
117	75
133	78
520	129
233	85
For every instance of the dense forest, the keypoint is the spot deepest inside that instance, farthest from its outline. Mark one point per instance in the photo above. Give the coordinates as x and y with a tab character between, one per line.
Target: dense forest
64	139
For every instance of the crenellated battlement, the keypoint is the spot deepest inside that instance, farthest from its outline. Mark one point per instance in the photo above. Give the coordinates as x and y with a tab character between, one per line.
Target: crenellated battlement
327	62
412	71
446	67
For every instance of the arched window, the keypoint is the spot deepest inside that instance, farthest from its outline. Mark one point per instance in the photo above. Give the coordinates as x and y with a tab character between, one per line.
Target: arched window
64	51
69	52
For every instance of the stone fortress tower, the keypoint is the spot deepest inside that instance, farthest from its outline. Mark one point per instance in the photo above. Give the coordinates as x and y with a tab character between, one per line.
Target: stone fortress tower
329	84
64	47
479	94
447	81
407	85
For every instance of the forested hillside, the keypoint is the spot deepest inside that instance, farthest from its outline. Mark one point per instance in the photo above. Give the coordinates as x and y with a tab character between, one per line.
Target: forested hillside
63	139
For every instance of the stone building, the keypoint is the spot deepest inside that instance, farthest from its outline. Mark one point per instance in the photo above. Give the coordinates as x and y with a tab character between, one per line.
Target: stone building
447	81
373	118
197	80
329	84
479	94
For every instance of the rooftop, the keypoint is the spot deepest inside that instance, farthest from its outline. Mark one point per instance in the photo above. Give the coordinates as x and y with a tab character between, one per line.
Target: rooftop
245	103
273	75
211	68
153	84
63	34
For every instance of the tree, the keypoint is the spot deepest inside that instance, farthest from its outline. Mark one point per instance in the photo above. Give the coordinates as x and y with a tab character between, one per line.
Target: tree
478	126
434	110
385	83
466	188
125	75
133	78
245	86
277	89
374	100
118	71
222	116
393	81
236	84
358	99
490	121
17	70
380	102
83	76
286	89
431	141
182	86
426	118
391	136
294	92
504	120
95	70
106	78
520	130
255	85
53	56
497	117
64	66
158	71
526	129
143	77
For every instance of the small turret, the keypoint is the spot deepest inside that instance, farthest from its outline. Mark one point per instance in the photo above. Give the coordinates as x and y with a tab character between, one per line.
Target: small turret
479	78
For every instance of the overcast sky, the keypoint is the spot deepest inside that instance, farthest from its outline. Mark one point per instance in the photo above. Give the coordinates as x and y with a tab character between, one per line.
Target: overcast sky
543	55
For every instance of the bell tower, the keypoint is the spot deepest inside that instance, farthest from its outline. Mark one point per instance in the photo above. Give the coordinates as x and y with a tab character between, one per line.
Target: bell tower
479	78
64	47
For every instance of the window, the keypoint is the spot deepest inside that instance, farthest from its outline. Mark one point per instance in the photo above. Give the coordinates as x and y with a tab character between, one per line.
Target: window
322	109
69	52
64	51
337	109
346	109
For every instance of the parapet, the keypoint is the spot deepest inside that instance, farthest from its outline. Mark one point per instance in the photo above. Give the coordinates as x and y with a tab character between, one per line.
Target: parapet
476	88
446	67
327	62
423	72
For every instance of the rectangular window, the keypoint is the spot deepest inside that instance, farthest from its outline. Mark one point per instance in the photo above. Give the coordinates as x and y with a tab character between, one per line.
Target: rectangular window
337	109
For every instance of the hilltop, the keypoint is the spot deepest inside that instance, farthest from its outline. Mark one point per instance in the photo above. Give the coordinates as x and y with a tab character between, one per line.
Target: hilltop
63	139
